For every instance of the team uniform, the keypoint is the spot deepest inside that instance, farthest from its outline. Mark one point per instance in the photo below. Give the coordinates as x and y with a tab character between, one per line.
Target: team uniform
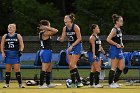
115	52
72	38
46	49
12	56
11	49
97	50
94	76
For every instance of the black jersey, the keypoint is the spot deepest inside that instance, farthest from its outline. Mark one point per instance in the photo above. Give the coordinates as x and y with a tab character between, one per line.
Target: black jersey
71	34
97	46
118	37
11	42
45	44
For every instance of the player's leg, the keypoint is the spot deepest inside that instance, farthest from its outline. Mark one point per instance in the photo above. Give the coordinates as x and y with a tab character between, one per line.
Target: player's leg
18	75
91	76
97	73
74	60
114	64
46	56
7	75
48	76
120	67
119	70
43	73
71	71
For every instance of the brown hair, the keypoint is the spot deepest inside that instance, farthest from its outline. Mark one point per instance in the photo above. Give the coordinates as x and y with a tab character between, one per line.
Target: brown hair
93	26
44	22
115	18
72	17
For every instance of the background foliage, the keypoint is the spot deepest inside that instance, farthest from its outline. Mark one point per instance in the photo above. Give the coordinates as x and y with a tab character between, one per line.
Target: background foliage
27	13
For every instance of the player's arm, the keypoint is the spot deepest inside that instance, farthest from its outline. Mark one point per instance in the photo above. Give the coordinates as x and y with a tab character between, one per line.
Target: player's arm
78	35
2	45
110	36
102	50
62	38
49	30
92	41
20	42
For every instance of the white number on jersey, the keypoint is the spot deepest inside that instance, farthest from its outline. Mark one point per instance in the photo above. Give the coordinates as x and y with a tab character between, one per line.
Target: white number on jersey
10	44
71	38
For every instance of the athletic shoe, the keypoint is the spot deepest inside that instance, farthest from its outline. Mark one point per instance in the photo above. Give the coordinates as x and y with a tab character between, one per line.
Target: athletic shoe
6	86
98	86
51	86
71	86
21	86
79	84
117	85
43	86
112	85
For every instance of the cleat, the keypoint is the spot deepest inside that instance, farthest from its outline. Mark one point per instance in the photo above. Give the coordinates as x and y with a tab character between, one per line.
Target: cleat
43	86
98	86
6	86
79	84
51	86
71	86
117	85
112	85
21	86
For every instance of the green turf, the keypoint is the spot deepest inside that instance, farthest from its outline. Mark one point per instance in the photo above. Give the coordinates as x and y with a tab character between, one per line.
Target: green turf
64	73
62	89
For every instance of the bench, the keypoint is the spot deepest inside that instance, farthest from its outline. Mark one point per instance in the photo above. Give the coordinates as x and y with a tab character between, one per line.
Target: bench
60	67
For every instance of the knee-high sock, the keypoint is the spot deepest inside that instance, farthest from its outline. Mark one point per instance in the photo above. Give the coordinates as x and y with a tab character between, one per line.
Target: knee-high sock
77	75
72	76
96	75
42	75
18	76
7	77
48	77
111	76
117	75
91	78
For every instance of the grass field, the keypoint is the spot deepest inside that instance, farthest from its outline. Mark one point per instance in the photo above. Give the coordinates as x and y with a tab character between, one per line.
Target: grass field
64	74
62	89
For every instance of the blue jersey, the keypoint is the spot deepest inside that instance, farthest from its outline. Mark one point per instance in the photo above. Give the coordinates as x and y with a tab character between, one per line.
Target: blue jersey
12	42
71	34
11	49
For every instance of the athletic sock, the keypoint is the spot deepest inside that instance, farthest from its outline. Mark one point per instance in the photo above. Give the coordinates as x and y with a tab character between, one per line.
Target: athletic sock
117	75
48	77
96	75
7	77
111	76
72	76
91	78
42	75
77	75
18	76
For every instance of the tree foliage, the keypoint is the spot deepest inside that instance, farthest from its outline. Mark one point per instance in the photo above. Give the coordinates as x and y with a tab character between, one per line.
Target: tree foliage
27	13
